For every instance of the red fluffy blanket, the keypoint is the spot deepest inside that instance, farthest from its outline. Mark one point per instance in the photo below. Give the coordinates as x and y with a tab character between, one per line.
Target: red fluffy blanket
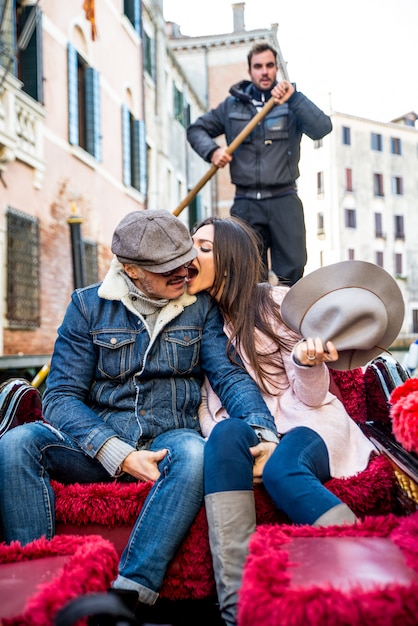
275	592
91	566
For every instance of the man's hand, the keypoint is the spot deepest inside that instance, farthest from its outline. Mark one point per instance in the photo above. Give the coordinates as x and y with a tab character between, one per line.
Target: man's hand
143	464
220	157
282	92
261	453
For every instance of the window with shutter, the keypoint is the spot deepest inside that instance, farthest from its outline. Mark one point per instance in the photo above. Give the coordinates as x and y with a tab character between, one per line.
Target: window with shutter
72	95
134	151
126	146
23	260
92	112
143	153
195	211
84	111
21	45
132	10
29	51
91	262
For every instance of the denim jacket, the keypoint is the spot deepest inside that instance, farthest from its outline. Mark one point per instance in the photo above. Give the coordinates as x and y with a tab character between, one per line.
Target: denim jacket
109	377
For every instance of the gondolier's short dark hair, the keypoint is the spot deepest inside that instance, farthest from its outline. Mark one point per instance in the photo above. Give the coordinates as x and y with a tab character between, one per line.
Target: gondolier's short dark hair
259	47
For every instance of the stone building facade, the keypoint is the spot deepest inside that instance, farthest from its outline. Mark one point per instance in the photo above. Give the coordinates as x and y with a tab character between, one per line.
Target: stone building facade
359	188
93	111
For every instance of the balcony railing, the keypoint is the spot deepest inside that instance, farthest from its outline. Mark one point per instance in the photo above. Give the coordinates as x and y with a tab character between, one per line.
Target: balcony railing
21	126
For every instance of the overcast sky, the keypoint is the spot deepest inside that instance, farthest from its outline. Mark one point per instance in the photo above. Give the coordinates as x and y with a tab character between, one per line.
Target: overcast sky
358	57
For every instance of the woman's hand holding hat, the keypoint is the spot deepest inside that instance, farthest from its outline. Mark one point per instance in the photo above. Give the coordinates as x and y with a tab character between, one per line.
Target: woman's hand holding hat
310	352
356	304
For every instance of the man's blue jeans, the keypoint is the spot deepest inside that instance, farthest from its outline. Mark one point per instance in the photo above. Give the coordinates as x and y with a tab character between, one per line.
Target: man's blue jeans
293	476
32	454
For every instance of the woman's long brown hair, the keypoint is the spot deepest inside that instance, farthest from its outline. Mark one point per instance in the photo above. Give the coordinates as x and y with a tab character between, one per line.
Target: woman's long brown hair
245	301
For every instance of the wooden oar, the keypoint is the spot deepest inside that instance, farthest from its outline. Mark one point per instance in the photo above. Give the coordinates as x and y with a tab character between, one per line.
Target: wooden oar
229	150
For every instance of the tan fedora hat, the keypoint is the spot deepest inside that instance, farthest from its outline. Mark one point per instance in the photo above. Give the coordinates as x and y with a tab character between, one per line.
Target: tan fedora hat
355	304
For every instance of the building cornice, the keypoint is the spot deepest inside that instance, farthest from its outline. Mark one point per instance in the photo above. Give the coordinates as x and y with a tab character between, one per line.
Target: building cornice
220	41
392	124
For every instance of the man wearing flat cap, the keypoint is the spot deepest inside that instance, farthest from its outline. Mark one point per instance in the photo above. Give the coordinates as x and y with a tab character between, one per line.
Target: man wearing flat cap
122	399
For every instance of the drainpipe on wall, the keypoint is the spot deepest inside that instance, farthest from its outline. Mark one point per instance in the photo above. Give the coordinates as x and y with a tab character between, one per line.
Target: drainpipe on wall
74	222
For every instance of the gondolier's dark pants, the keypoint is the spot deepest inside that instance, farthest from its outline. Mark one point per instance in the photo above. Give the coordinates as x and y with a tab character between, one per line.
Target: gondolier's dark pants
280	223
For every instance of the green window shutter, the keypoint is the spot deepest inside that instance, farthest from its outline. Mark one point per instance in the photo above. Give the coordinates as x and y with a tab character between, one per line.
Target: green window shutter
89	109
132	10
146	46
126	146
195	211
30	57
142	157
187	119
136	154
72	96
92	112
138	16
153	59
149	55
97	117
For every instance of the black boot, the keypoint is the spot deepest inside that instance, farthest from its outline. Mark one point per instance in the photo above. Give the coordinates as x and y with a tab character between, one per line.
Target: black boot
102	609
129	597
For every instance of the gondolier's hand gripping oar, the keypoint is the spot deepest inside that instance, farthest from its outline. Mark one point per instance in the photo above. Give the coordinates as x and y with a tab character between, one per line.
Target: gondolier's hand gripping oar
229	150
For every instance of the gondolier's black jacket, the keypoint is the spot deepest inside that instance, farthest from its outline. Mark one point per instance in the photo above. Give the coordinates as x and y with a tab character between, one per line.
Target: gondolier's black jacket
269	156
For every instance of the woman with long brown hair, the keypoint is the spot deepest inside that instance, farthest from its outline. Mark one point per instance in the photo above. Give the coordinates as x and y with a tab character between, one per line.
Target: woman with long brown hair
318	440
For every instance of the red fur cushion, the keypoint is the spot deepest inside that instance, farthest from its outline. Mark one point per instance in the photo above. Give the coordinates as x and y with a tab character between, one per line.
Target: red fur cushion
350	389
277	589
404	414
91	566
371	492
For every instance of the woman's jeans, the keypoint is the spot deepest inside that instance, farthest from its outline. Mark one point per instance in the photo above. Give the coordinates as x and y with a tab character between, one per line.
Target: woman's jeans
32	454
293	476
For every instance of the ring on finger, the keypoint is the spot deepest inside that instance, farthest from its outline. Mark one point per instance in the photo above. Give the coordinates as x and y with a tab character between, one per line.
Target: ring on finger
311	357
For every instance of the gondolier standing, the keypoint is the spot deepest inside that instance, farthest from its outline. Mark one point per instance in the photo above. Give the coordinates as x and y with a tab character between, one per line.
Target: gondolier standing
265	167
